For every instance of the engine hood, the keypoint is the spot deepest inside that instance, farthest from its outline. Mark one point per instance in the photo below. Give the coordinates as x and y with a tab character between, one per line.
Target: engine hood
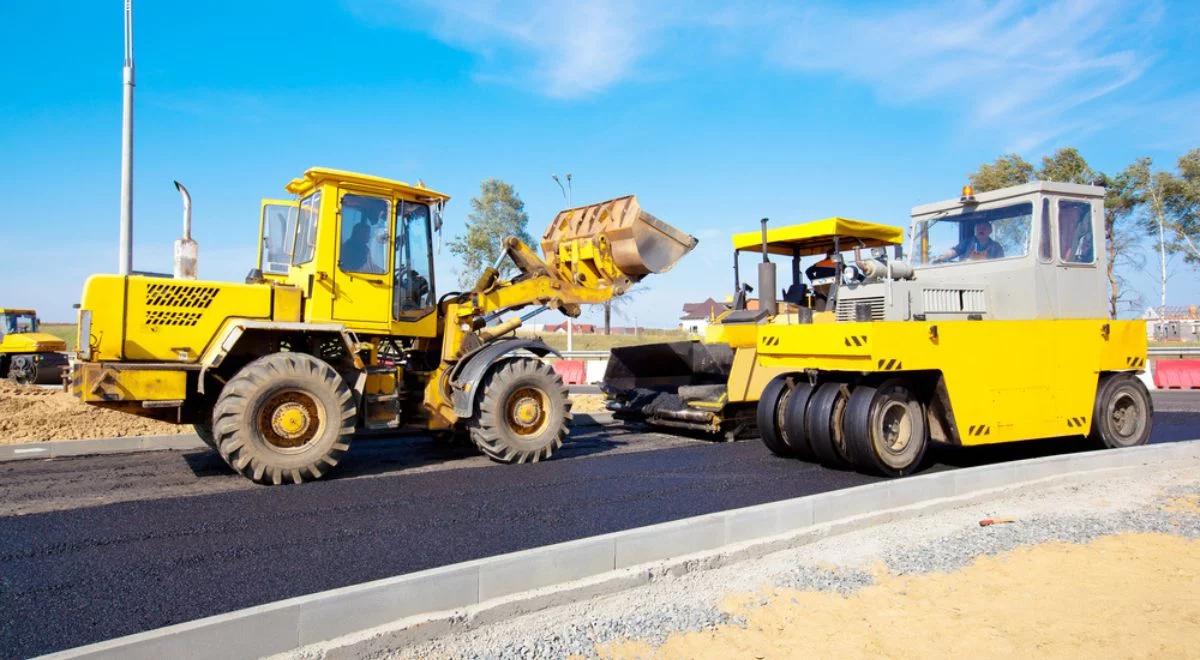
31	342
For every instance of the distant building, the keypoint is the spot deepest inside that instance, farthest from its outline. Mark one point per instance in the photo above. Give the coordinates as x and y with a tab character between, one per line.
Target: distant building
697	316
1172	323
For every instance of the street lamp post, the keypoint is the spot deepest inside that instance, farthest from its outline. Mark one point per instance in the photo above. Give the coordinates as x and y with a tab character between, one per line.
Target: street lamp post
566	192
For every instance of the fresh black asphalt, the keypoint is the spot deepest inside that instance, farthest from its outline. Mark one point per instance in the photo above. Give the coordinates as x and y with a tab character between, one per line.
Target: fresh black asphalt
81	575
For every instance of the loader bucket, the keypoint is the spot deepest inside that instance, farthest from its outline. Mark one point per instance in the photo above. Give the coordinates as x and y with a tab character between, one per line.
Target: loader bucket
611	241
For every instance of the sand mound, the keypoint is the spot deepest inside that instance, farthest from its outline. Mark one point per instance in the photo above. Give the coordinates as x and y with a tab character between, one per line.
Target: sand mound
34	414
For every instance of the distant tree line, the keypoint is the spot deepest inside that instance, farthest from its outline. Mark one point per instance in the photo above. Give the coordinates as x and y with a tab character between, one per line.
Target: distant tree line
1141	203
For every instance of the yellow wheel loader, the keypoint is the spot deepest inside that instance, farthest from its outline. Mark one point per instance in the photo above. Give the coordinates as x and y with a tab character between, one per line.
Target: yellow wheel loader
27	355
996	331
340	329
713	386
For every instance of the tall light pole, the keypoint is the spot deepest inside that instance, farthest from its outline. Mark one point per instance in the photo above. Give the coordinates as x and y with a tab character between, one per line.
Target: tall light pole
125	257
567	192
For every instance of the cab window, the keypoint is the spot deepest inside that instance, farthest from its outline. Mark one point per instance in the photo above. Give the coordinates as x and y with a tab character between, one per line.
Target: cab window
997	233
1075	231
365	235
1045	248
279	228
306	229
414	260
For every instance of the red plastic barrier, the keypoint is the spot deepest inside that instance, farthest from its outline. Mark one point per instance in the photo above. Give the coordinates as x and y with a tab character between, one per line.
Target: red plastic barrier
573	372
1177	374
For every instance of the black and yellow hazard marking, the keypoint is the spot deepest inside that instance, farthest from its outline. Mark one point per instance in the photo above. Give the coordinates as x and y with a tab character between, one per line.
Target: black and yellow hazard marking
855	340
979	429
1135	362
890	365
1076	422
770	341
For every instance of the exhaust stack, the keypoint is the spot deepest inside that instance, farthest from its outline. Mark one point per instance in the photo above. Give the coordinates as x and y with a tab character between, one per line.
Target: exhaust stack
766	279
187	252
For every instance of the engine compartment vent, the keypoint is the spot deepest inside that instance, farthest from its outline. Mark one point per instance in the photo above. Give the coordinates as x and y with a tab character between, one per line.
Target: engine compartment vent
860	309
180	295
950	301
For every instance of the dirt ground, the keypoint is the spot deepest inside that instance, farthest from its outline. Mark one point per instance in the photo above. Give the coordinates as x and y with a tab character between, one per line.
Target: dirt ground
37	414
1141	592
587	403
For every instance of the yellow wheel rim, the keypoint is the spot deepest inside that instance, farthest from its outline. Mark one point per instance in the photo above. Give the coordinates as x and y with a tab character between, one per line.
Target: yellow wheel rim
527	411
290	419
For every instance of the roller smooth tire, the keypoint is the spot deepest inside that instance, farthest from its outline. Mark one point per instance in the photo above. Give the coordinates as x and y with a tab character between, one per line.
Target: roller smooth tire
521	415
791	425
823	424
284	418
768	415
885	429
1123	415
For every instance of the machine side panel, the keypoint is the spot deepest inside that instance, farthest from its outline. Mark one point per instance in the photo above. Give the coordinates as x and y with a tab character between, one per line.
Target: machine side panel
176	320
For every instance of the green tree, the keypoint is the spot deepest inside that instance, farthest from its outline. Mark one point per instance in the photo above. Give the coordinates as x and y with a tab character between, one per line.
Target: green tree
1007	170
1066	166
1183	206
496	213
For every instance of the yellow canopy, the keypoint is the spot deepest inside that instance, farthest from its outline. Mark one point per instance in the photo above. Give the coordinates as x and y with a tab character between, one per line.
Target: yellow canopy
817	236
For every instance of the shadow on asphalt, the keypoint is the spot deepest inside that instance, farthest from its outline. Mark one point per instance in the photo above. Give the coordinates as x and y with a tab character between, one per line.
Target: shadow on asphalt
373	455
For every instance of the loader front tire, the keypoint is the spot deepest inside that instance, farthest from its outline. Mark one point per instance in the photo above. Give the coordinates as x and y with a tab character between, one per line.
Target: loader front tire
284	418
885	429
1123	414
521	415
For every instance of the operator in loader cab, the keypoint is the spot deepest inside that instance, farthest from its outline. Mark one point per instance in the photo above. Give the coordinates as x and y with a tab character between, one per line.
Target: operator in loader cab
980	246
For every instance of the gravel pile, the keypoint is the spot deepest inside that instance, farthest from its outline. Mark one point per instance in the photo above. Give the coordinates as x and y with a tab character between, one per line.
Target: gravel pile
1148	502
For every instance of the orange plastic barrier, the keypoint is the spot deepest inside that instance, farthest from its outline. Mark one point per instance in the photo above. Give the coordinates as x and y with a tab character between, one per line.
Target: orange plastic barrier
1177	374
573	372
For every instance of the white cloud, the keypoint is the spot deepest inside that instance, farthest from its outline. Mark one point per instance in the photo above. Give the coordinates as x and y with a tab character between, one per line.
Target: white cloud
1038	70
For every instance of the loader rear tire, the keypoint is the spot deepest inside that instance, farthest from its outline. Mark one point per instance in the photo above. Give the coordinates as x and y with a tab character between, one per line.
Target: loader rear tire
1124	412
885	429
769	417
284	418
205	431
823	424
521	415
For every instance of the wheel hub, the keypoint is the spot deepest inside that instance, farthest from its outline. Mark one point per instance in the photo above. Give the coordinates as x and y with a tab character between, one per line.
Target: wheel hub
896	426
289	420
1125	415
527	411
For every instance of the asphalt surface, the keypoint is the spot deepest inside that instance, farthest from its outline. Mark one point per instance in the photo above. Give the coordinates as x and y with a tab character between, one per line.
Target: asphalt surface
98	547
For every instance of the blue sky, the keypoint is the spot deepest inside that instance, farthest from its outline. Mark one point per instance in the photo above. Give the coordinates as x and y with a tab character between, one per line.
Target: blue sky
714	114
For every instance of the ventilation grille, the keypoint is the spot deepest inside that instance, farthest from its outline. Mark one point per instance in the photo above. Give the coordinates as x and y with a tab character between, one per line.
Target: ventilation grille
180	295
157	317
872	309
954	301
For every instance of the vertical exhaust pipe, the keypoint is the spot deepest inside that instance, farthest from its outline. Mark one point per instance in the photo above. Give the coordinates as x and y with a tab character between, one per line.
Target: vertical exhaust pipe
187	252
766	279
125	256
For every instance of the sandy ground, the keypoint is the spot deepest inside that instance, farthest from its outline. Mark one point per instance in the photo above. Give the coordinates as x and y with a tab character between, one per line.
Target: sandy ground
587	403
1104	569
37	414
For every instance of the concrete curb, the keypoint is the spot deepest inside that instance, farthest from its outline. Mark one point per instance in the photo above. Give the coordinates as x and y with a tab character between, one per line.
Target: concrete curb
183	442
409	608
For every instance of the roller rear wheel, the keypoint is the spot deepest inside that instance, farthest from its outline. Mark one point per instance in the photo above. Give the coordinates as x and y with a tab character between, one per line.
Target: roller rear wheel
768	415
823	424
885	429
1124	412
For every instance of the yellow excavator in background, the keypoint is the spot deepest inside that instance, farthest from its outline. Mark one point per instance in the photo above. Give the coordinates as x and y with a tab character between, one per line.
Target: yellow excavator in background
28	355
340	328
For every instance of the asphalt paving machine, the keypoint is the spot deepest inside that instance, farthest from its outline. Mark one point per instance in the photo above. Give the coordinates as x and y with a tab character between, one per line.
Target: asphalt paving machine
713	385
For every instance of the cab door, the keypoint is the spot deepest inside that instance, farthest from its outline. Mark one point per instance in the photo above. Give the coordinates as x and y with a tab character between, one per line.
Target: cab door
363	274
276	237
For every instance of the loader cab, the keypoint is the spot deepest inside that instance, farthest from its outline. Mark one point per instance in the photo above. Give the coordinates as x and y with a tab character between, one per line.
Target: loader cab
362	251
1034	251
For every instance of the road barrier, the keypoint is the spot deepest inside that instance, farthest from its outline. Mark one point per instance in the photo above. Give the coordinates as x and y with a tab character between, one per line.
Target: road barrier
375	617
573	372
1177	374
